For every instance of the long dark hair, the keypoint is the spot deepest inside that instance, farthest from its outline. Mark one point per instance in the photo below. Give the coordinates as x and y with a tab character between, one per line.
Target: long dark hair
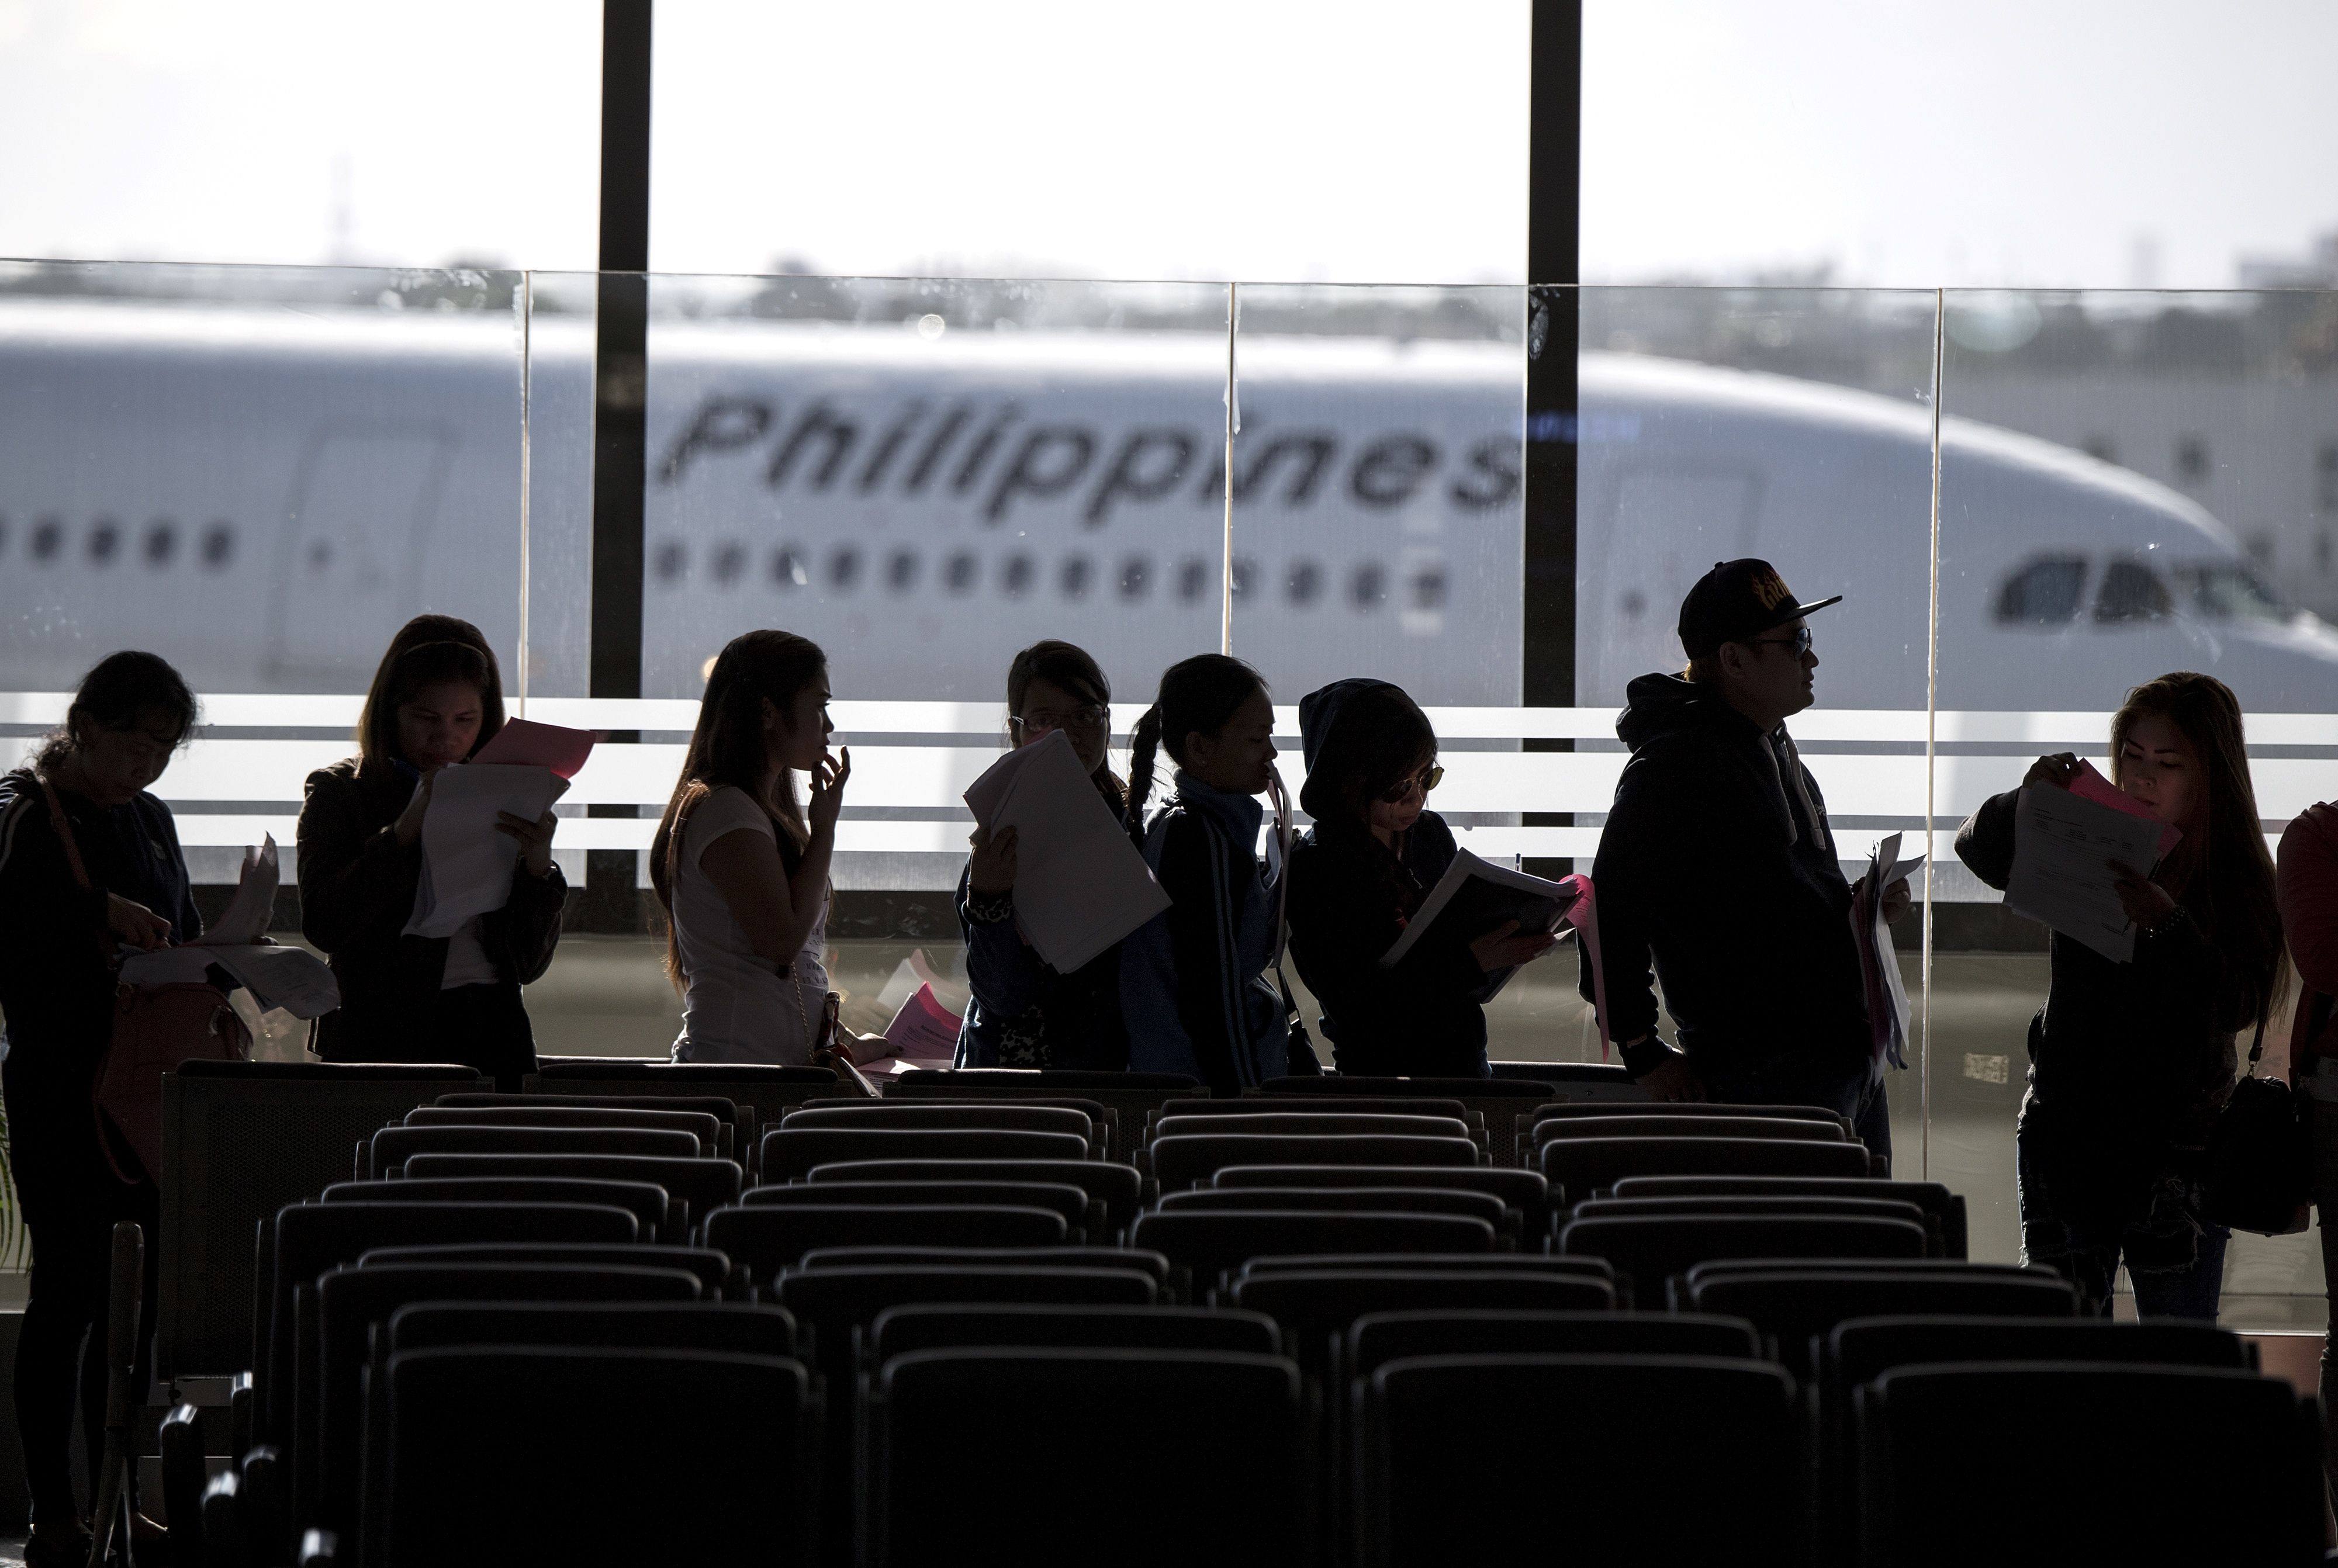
1073	669
2220	869
120	691
1382	741
727	749
427	649
1197	696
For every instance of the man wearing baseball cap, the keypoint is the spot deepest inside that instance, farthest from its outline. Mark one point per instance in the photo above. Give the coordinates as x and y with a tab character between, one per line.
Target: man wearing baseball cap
1718	867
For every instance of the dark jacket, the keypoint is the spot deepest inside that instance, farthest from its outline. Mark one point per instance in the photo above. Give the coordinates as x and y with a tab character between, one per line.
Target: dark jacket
1022	1013
1421	1018
56	988
2128	1063
357	894
1717	864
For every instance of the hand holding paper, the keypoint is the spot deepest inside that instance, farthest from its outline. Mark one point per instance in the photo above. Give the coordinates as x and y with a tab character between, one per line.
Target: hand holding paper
467	864
2065	846
525	742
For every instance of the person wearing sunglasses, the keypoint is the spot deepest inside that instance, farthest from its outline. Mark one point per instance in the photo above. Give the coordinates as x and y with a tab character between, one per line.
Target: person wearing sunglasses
1718	867
1360	873
1022	1013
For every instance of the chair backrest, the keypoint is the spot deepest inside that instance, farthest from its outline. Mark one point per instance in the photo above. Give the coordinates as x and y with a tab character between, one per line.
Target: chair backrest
1326	1104
350	1301
1208	1243
1497	1099
1151	1264
834	1303
311	1238
1317	1123
1572	1080
392	1147
1064	1200
1377	1339
1004	1116
1128	1440
1401	1199
2158	1454
740	1118
1188	1161
1792	1306
241	1140
1463	1262
764	1241
768	1090
1129	1096
551	1426
1667	1125
1648	1249
646	1202
927	1325
712	1270
1860	1349
1580	1167
712	1132
736	1327
1106	1119
1524	1192
1731	1424
1878	1207
703	1185
1316	1308
1600	1110
1119	1189
1946	1208
790	1153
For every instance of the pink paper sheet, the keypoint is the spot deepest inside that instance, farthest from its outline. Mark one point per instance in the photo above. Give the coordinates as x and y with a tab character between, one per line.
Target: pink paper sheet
2089	785
1584	915
552	746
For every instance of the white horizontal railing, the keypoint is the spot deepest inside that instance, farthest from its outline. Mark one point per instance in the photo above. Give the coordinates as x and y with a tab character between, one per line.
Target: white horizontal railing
913	760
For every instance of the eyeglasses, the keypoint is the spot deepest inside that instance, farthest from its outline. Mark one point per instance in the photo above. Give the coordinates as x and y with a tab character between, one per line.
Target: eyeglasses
1428	778
1800	641
1091	716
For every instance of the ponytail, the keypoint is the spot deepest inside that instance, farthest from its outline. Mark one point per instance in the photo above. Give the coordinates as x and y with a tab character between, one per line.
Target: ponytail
1142	745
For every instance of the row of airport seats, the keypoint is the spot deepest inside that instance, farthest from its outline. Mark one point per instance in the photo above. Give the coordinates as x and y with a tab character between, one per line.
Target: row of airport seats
1038	1314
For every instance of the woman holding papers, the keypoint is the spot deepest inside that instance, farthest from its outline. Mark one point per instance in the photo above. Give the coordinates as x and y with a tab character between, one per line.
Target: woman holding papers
131	713
1194	982
741	867
1022	1013
436	699
1362	872
2130	1060
2309	915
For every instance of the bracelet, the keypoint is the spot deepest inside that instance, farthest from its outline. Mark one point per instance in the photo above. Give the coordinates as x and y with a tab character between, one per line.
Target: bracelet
2166	922
989	908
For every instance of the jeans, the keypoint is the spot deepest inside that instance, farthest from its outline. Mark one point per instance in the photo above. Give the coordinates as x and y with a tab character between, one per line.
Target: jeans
1857	1096
2175	1258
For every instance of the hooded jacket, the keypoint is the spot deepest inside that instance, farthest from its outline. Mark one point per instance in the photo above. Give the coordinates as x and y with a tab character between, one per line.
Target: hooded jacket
1718	867
1350	900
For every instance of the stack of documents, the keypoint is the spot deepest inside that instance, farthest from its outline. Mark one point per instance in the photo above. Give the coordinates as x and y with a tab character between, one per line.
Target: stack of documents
1879	966
467	864
289	977
2064	844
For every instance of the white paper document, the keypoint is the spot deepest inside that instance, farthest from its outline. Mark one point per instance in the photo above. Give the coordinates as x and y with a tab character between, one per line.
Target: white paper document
247	915
1080	886
2063	847
467	864
289	977
1887	995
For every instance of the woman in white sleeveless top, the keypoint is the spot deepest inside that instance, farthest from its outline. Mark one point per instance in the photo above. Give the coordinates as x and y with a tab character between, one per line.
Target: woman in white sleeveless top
741	867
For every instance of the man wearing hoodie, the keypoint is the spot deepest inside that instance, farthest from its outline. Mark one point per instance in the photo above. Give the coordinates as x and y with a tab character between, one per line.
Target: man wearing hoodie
1718	867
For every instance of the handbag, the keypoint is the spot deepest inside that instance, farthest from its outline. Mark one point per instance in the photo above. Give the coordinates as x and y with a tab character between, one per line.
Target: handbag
156	1028
2260	1165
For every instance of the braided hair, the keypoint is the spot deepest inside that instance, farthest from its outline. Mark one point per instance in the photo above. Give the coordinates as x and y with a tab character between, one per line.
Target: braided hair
1197	696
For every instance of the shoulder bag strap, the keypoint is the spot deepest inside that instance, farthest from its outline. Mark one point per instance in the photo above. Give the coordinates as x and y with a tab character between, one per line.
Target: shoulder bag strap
71	848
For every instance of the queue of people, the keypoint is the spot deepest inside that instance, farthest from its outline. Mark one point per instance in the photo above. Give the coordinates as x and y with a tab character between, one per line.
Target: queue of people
1719	880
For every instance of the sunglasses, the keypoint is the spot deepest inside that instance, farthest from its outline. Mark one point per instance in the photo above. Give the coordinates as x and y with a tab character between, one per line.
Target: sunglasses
1428	778
1799	641
1088	717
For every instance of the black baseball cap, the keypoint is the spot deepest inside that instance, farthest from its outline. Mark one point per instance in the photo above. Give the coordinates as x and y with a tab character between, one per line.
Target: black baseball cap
1736	601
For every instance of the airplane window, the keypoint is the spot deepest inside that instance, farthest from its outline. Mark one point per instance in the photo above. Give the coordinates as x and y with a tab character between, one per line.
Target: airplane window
1135	577
219	544
788	570
162	539
1368	588
1192	578
2224	591
728	562
843	568
901	572
47	534
1428	588
1304	579
959	576
2044	593
2192	459
672	557
1016	574
2326	462
1246	580
2131	591
103	540
1073	577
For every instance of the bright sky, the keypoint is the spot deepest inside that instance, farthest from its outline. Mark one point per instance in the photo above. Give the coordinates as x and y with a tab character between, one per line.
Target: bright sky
2094	142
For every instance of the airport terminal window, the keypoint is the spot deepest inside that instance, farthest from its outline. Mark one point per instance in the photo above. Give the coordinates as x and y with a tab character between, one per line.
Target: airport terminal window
2131	591
2044	592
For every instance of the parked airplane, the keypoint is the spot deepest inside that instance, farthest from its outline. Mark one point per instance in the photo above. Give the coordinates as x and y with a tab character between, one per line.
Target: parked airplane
264	496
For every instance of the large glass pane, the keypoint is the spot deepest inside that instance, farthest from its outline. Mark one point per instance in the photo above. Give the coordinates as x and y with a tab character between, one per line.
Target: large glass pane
1792	424
260	474
2131	484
